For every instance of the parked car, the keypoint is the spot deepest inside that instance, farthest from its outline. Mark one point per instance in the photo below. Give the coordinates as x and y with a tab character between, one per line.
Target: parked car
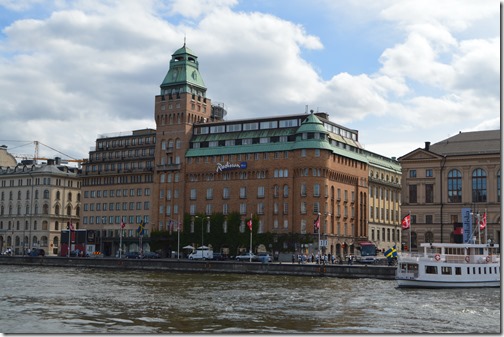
37	252
263	257
219	257
151	255
132	255
245	257
78	253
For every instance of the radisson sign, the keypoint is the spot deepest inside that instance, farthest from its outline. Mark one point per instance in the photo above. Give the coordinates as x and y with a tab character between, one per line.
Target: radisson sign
229	166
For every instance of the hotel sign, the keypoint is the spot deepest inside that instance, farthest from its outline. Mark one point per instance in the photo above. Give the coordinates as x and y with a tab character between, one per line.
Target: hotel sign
230	166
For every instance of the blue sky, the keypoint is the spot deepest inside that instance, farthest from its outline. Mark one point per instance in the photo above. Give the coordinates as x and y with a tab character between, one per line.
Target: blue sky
401	72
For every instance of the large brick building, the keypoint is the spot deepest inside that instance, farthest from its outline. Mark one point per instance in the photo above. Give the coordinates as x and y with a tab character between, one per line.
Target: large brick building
283	170
117	187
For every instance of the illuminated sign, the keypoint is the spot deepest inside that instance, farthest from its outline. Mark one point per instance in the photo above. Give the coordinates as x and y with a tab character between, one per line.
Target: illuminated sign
229	166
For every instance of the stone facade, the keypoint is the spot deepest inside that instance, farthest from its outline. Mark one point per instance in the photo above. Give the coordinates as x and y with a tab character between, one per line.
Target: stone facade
36	203
460	172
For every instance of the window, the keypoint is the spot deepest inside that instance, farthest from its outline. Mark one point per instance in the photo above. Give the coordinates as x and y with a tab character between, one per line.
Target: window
193	194
429	193
225	193
498	186
243	192
479	186
412	193
412	173
260	191
428	173
454	186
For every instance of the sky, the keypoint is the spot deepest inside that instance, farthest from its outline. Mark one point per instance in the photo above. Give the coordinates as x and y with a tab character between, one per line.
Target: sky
401	72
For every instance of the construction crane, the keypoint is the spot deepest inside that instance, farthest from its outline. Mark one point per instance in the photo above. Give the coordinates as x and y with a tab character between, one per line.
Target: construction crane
36	156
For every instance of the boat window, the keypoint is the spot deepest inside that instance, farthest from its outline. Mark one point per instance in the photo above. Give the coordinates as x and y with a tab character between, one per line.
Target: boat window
479	270
446	270
431	270
458	271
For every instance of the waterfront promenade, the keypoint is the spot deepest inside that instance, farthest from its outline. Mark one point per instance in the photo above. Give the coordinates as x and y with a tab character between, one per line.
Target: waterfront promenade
190	266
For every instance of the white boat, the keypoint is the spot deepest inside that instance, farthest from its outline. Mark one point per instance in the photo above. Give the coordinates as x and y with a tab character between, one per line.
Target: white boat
450	265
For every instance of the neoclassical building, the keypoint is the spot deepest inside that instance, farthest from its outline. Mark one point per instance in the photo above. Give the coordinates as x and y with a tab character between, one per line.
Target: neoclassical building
384	201
442	179
36	203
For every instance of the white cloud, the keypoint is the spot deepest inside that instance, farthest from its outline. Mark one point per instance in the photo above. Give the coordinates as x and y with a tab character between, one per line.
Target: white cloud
93	67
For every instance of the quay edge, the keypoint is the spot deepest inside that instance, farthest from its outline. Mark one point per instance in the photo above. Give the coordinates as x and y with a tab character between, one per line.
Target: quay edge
235	267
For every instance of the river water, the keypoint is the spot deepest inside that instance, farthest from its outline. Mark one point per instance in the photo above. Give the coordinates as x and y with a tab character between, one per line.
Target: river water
49	300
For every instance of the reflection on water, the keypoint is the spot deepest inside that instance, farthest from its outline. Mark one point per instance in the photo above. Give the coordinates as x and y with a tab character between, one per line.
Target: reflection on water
61	300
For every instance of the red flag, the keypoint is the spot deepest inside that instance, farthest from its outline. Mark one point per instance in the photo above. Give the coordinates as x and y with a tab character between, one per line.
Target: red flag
72	226
249	224
483	222
316	224
406	222
123	224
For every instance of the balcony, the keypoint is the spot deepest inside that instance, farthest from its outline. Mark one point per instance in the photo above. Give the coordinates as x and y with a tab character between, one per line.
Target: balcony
168	167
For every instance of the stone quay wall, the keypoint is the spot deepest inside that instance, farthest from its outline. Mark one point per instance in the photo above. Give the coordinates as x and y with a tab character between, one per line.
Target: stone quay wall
190	266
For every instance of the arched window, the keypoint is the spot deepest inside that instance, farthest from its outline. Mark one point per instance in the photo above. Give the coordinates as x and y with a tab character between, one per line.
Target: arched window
57	195
57	210
45	209
69	210
46	194
454	186
429	237
479	191
286	191
69	196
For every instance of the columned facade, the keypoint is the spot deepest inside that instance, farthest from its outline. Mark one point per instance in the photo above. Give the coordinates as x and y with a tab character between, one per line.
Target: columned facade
442	179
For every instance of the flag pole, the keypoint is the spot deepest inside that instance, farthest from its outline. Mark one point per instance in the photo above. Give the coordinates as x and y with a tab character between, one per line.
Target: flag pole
178	237
69	236
479	226
486	226
319	250
250	256
410	229
120	238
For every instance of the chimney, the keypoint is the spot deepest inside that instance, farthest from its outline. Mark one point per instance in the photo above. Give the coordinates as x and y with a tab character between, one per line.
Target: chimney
427	146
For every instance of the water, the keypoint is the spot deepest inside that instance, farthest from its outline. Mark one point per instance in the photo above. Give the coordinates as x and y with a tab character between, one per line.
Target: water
47	300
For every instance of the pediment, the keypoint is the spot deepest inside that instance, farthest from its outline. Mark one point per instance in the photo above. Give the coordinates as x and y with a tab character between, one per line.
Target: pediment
419	154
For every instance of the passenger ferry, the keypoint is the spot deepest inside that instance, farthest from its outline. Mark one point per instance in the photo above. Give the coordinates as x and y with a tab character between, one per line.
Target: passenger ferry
450	265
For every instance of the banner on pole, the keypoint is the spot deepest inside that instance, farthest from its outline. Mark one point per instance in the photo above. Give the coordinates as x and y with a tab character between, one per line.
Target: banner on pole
467	224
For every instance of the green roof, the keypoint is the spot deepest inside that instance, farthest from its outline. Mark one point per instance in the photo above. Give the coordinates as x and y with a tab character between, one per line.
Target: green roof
184	69
312	124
